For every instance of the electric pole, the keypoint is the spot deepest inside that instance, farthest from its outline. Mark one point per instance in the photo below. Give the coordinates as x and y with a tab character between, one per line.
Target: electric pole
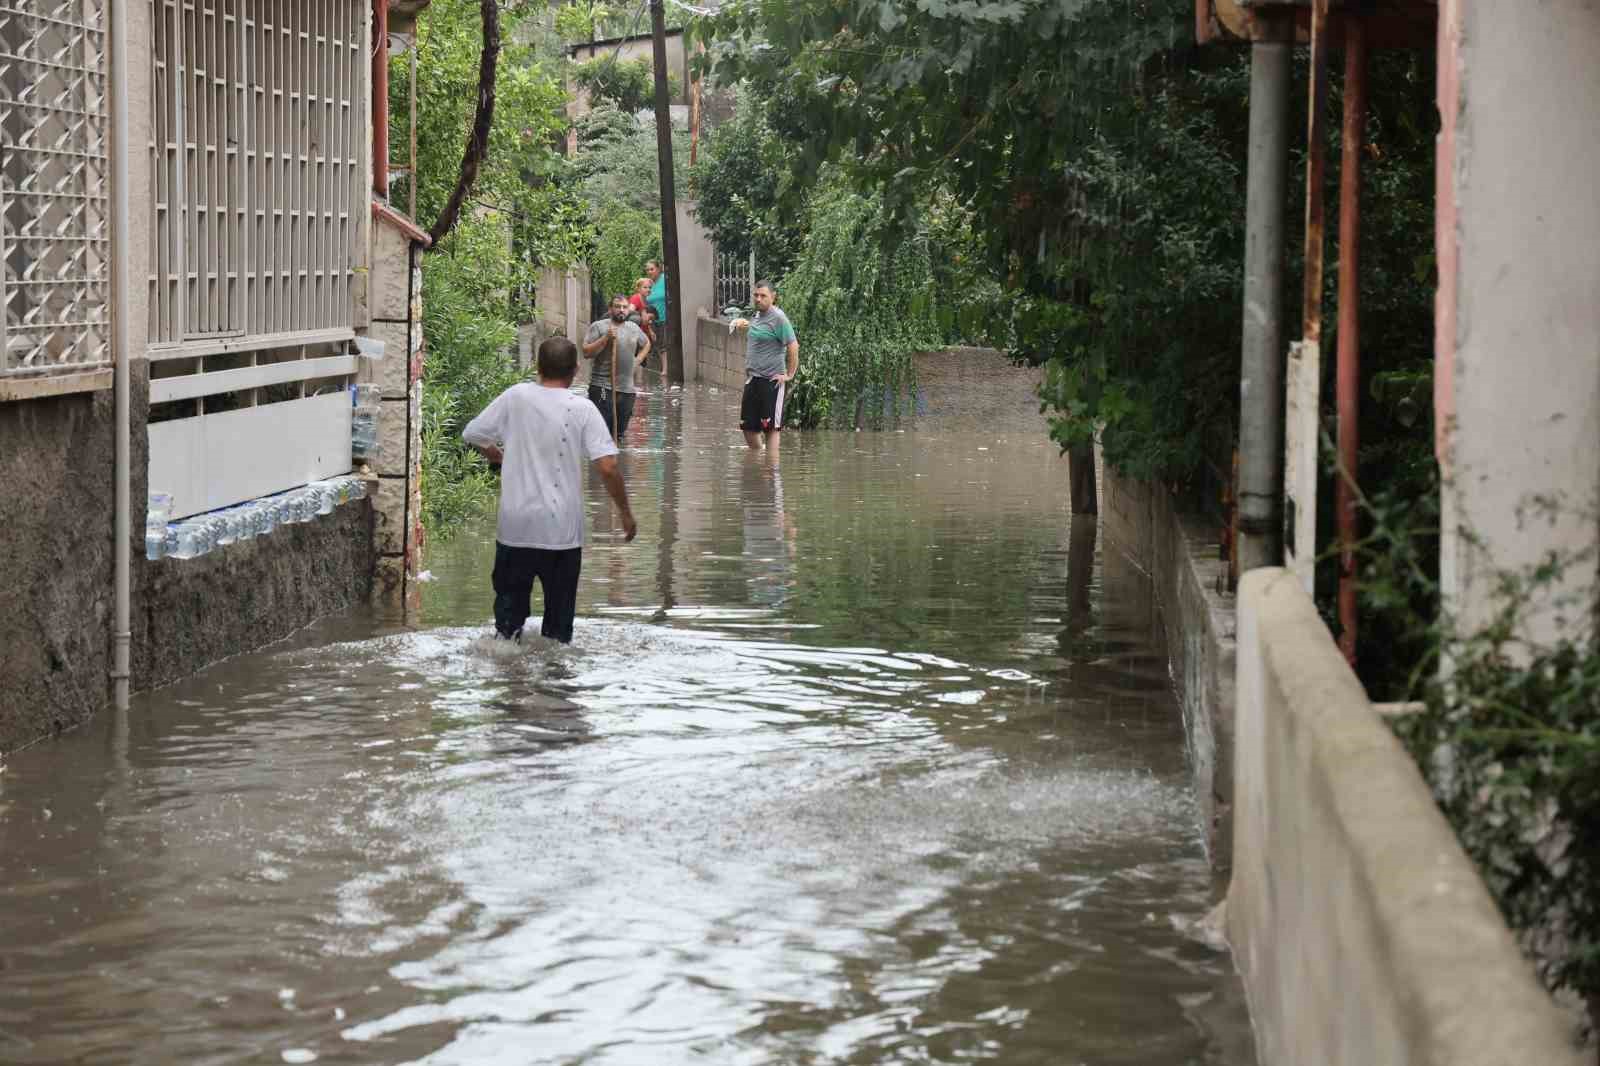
669	197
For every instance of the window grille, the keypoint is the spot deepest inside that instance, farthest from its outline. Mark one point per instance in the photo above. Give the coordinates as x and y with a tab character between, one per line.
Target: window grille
53	187
734	282
258	137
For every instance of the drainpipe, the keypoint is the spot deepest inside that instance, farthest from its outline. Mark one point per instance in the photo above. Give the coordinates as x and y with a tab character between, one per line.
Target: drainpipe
117	99
1262	352
380	99
1348	389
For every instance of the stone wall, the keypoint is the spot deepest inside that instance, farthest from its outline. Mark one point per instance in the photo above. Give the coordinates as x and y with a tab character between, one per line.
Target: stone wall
1142	521
1361	928
396	319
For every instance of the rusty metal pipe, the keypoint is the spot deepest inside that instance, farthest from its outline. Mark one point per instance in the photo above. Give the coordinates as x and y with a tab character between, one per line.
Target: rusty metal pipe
1316	168
380	98
1348	391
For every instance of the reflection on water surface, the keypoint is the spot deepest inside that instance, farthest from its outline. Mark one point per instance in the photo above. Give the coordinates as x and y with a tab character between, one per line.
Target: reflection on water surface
865	758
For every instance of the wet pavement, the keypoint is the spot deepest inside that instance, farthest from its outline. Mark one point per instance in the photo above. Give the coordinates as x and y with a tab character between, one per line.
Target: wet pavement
869	756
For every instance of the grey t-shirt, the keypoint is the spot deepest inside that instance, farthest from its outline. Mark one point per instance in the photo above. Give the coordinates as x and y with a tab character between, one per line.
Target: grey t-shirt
630	338
766	352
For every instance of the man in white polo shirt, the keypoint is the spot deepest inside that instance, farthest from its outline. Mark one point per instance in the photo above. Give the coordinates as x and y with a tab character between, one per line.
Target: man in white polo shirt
541	434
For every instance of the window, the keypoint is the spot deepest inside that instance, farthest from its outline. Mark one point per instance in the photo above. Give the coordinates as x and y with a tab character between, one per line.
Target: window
54	237
258	138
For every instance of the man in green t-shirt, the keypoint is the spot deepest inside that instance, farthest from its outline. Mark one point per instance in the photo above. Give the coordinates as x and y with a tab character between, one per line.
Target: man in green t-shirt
771	360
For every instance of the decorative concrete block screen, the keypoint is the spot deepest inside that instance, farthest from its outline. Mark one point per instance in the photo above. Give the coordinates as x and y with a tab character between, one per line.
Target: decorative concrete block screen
259	211
257	152
53	188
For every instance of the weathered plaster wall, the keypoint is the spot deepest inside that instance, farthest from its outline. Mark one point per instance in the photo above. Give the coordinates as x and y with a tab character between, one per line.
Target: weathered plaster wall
1518	315
1142	521
1361	928
57	462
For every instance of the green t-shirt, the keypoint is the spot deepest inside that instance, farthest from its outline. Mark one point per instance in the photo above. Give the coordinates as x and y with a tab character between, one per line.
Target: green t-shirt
766	351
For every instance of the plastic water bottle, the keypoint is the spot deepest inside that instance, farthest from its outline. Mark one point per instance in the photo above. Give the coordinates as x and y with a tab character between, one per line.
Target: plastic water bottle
155	540
327	495
190	539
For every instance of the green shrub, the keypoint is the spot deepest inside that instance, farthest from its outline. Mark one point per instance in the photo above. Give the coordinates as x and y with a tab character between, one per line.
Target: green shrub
470	335
861	308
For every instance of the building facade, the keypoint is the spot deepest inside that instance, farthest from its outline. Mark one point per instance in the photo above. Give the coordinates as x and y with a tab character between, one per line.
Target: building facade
194	282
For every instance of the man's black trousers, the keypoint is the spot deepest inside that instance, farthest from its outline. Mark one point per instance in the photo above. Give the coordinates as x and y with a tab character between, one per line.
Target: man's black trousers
557	571
601	398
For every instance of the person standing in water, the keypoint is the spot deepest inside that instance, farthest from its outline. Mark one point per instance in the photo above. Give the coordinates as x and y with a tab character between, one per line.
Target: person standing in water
631	348
771	360
541	434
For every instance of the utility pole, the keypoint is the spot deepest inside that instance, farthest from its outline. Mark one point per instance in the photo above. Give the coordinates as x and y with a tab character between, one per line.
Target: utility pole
669	197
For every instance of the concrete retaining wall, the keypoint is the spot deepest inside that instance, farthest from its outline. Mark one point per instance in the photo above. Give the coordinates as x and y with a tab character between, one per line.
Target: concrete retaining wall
1142	521
1361	928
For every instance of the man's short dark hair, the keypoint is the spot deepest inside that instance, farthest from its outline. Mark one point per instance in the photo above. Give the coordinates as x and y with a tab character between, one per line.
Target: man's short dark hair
558	359
621	296
765	284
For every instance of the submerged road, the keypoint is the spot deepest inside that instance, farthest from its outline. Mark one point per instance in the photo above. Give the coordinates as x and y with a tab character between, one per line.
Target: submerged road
867	757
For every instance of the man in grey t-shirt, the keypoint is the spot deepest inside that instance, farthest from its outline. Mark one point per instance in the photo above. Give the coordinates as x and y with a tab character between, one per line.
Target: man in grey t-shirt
771	360
632	346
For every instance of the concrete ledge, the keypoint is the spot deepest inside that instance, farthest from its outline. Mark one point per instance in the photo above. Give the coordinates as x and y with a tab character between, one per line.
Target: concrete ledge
1361	928
1142	522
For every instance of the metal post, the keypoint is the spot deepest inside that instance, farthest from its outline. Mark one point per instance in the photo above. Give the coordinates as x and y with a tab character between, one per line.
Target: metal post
669	198
750	302
1348	390
1262	351
121	352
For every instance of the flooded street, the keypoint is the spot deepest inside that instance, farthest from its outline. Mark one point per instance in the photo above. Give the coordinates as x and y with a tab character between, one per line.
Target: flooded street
869	756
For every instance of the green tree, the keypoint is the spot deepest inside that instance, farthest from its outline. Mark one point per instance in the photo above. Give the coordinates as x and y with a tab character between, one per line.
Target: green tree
627	239
627	84
519	215
736	183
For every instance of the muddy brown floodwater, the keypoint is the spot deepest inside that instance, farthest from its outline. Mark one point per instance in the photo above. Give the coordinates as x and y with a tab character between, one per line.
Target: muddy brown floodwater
867	757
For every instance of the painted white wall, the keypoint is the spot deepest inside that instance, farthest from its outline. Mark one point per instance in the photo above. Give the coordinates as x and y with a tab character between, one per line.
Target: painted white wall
1519	387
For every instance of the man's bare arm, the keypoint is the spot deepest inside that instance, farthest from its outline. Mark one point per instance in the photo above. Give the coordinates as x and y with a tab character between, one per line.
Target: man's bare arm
794	360
606	467
490	452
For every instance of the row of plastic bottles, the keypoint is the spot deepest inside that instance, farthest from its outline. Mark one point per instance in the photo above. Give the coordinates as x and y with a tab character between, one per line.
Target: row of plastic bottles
203	533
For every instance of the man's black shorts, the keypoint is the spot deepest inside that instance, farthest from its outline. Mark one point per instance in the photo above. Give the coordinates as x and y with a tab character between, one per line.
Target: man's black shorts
762	406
